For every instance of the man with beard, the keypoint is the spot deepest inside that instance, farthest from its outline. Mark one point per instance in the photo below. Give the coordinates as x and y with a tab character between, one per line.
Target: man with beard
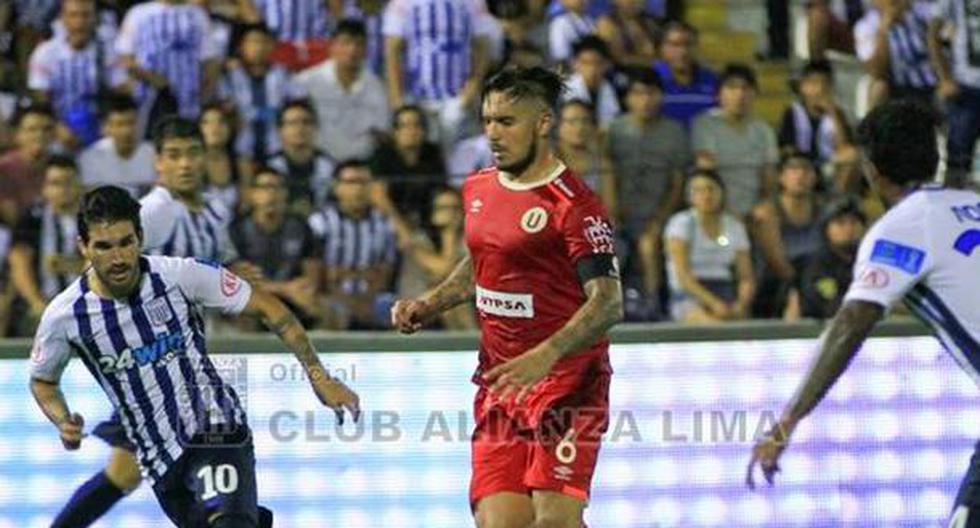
179	223
543	273
135	322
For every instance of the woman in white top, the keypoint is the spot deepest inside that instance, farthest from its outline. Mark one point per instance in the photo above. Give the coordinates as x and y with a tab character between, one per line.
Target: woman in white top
708	264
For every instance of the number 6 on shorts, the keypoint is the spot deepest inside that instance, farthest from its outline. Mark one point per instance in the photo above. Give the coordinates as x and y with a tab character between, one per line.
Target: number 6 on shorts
218	479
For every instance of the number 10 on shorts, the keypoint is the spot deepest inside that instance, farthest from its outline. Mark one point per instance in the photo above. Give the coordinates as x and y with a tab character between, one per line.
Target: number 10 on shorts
220	479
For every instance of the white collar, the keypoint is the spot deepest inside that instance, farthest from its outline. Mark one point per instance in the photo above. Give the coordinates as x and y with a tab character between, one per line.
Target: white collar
517	186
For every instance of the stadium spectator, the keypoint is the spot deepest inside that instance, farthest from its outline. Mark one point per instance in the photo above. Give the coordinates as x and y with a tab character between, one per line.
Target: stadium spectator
308	170
279	243
630	34
177	218
436	61
704	245
848	181
120	158
411	166
786	232
73	70
8	103
827	274
347	95
430	253
650	153
588	82
257	89
892	43
524	55
7	292
173	74
959	85
222	172
581	149
359	251
734	142
568	28
31	20
22	167
830	25
295	22
690	88
468	155
815	124
44	258
369	13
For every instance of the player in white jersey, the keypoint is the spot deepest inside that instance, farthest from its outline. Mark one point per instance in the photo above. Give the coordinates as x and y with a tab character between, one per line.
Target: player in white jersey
923	251
134	322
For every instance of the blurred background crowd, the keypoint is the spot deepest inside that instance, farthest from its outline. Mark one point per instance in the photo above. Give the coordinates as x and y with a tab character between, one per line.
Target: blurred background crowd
719	134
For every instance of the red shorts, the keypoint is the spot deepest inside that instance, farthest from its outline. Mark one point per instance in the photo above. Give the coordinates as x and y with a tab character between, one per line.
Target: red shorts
558	455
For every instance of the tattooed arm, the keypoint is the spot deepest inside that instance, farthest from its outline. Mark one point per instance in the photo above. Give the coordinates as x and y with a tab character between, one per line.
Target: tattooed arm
839	345
602	309
281	321
409	315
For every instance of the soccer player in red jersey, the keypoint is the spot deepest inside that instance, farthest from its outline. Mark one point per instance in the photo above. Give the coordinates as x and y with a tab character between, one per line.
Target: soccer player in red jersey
543	273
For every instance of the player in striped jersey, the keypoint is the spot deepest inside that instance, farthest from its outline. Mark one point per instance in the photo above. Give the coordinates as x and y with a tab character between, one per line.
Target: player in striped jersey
135	323
178	224
923	251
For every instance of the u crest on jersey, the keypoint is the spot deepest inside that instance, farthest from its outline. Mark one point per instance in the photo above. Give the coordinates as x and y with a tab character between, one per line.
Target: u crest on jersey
534	219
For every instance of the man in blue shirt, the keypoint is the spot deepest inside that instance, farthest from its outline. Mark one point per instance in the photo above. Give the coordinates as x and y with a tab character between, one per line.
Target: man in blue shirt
689	88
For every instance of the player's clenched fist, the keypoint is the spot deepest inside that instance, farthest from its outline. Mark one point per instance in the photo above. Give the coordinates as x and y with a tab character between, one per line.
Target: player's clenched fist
407	315
334	394
70	430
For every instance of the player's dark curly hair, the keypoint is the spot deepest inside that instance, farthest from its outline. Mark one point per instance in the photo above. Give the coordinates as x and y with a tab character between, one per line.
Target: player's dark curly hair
899	137
522	83
108	203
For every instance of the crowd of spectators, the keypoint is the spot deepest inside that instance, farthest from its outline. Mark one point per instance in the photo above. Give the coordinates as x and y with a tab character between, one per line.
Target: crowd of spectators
337	134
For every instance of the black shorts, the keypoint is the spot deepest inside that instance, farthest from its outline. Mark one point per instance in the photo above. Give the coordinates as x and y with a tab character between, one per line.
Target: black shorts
113	433
209	481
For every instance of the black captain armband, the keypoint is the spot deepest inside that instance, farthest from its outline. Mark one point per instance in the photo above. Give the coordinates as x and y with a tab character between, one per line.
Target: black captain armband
597	265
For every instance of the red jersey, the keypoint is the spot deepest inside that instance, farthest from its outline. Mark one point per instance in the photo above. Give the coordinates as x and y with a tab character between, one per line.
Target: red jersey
525	241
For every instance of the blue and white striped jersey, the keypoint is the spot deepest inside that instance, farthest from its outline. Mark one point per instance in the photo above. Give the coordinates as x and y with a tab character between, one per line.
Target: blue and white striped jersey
926	251
295	20
171	229
148	353
257	101
438	37
908	58
375	58
172	40
72	77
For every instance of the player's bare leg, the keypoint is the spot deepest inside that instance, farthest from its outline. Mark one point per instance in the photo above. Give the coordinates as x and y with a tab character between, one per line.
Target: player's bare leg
505	510
123	470
555	510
